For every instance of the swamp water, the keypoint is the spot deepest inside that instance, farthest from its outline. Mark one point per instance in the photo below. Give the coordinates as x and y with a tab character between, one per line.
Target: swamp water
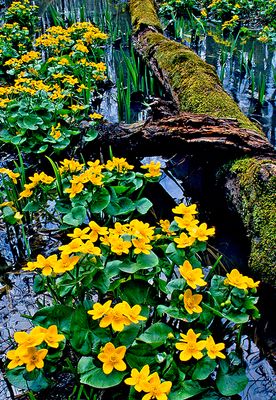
16	293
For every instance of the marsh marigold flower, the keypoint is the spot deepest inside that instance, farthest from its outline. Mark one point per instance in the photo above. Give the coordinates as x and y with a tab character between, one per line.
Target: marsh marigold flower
112	358
189	346
213	349
51	336
32	339
185	210
16	358
153	169
33	358
155	388
184	241
235	278
137	379
201	232
191	302
192	276
99	310
116	317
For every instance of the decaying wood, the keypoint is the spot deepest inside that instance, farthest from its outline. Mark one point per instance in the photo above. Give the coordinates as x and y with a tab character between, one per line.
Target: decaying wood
186	132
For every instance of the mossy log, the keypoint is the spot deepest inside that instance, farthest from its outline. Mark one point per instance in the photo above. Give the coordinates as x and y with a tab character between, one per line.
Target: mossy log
194	87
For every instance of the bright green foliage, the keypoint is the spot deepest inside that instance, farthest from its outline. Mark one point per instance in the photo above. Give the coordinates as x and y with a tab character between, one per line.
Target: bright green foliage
43	98
132	299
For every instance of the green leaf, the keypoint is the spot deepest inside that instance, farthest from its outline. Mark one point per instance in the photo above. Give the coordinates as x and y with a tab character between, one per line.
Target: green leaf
80	333
90	135
218	290
128	335
59	315
139	355
204	368
76	217
30	121
138	292
19	378
121	206
156	334
112	268
175	284
173	312
189	389
95	377
39	284
100	200
143	205
147	260
32	206
231	383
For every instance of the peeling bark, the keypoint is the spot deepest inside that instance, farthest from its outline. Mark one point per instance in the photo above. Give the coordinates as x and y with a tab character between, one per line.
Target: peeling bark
188	132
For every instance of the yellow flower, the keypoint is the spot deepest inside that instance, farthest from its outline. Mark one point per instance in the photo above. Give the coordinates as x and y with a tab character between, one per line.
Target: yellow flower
192	276
116	317
89	248
96	116
250	283
201	232
141	229
235	278
112	357
73	247
187	221
133	313
66	263
154	169
12	175
118	245
51	336
189	346
165	226
141	246
16	358
155	388
184	241
79	233
99	310
75	189
137	378
96	231
185	210
213	349
47	265
191	302
25	340
33	358
120	164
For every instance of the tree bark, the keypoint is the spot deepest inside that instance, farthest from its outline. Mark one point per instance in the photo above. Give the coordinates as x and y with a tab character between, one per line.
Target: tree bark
188	132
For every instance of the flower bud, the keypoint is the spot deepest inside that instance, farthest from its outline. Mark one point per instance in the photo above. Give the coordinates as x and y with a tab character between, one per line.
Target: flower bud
181	296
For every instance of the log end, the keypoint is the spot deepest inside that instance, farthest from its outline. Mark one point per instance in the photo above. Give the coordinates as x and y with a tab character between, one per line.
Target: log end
255	183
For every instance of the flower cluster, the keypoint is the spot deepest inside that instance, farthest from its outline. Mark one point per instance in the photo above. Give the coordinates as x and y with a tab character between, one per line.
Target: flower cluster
149	383
190	347
121	315
27	352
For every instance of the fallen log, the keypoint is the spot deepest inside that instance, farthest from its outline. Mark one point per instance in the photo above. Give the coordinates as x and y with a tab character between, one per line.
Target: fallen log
188	132
194	87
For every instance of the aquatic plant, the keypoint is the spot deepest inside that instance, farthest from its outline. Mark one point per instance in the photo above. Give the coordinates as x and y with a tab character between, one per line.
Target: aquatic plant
49	91
132	305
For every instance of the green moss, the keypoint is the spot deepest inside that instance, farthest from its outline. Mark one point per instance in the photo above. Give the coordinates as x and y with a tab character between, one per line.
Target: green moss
195	82
257	181
143	13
